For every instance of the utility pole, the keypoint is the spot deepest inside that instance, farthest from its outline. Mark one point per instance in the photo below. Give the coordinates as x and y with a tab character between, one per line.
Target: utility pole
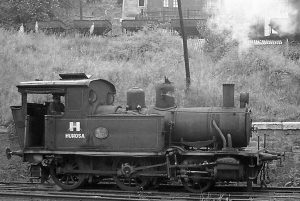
185	49
80	9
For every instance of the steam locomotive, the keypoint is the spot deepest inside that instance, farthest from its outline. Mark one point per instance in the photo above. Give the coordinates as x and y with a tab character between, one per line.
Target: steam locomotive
135	145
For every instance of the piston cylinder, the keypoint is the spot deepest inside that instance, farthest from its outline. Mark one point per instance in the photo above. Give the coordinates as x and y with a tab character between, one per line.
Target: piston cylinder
229	169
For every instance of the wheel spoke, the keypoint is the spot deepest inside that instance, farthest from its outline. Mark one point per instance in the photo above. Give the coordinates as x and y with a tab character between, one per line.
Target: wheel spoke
72	179
130	182
64	178
68	179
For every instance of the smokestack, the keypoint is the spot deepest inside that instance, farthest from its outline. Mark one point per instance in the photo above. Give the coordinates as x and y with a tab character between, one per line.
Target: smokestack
228	95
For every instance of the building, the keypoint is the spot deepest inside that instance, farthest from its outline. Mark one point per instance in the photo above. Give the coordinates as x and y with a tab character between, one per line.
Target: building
164	10
256	18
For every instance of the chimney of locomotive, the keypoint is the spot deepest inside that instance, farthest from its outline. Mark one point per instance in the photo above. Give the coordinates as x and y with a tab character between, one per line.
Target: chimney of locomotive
228	95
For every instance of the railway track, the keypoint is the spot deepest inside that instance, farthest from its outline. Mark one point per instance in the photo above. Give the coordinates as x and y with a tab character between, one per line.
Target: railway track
15	191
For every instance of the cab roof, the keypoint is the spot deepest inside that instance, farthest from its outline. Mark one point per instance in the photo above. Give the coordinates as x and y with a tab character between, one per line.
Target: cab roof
58	86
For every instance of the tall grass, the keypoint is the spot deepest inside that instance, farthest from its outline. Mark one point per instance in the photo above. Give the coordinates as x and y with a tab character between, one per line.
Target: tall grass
271	79
143	59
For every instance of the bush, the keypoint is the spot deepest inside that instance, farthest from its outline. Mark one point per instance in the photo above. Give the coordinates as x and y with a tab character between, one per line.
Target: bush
217	44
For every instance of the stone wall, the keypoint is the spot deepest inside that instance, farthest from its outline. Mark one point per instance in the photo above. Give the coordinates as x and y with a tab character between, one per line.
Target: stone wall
281	137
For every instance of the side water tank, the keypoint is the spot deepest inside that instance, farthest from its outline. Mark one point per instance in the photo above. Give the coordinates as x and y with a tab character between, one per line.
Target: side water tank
135	98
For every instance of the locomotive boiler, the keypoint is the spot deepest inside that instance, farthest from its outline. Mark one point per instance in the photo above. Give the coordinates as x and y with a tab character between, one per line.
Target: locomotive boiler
206	124
135	145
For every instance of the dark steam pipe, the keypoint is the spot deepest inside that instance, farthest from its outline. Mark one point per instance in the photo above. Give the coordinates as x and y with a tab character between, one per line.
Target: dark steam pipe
229	140
220	133
228	95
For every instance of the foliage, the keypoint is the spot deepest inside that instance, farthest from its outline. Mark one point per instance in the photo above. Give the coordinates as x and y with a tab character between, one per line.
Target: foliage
271	79
22	11
120	2
218	43
143	59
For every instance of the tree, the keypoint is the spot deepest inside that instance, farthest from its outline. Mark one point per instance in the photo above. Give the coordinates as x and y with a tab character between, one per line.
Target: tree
119	2
23	11
217	43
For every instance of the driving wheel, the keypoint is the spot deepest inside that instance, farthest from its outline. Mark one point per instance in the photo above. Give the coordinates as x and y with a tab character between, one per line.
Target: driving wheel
192	181
127	179
67	181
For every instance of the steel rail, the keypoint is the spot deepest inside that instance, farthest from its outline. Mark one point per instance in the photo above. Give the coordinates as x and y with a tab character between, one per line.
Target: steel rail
105	196
141	196
49	191
227	188
82	194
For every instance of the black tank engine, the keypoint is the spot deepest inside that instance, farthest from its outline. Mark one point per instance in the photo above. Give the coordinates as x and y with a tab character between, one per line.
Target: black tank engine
92	139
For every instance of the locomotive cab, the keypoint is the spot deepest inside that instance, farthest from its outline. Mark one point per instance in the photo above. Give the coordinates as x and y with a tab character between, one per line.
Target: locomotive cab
80	97
89	120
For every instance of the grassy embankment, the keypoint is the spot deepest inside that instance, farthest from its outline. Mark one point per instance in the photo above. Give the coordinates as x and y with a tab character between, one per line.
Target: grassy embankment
143	60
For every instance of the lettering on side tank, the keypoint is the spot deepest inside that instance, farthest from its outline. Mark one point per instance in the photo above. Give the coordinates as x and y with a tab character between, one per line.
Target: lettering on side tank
69	135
